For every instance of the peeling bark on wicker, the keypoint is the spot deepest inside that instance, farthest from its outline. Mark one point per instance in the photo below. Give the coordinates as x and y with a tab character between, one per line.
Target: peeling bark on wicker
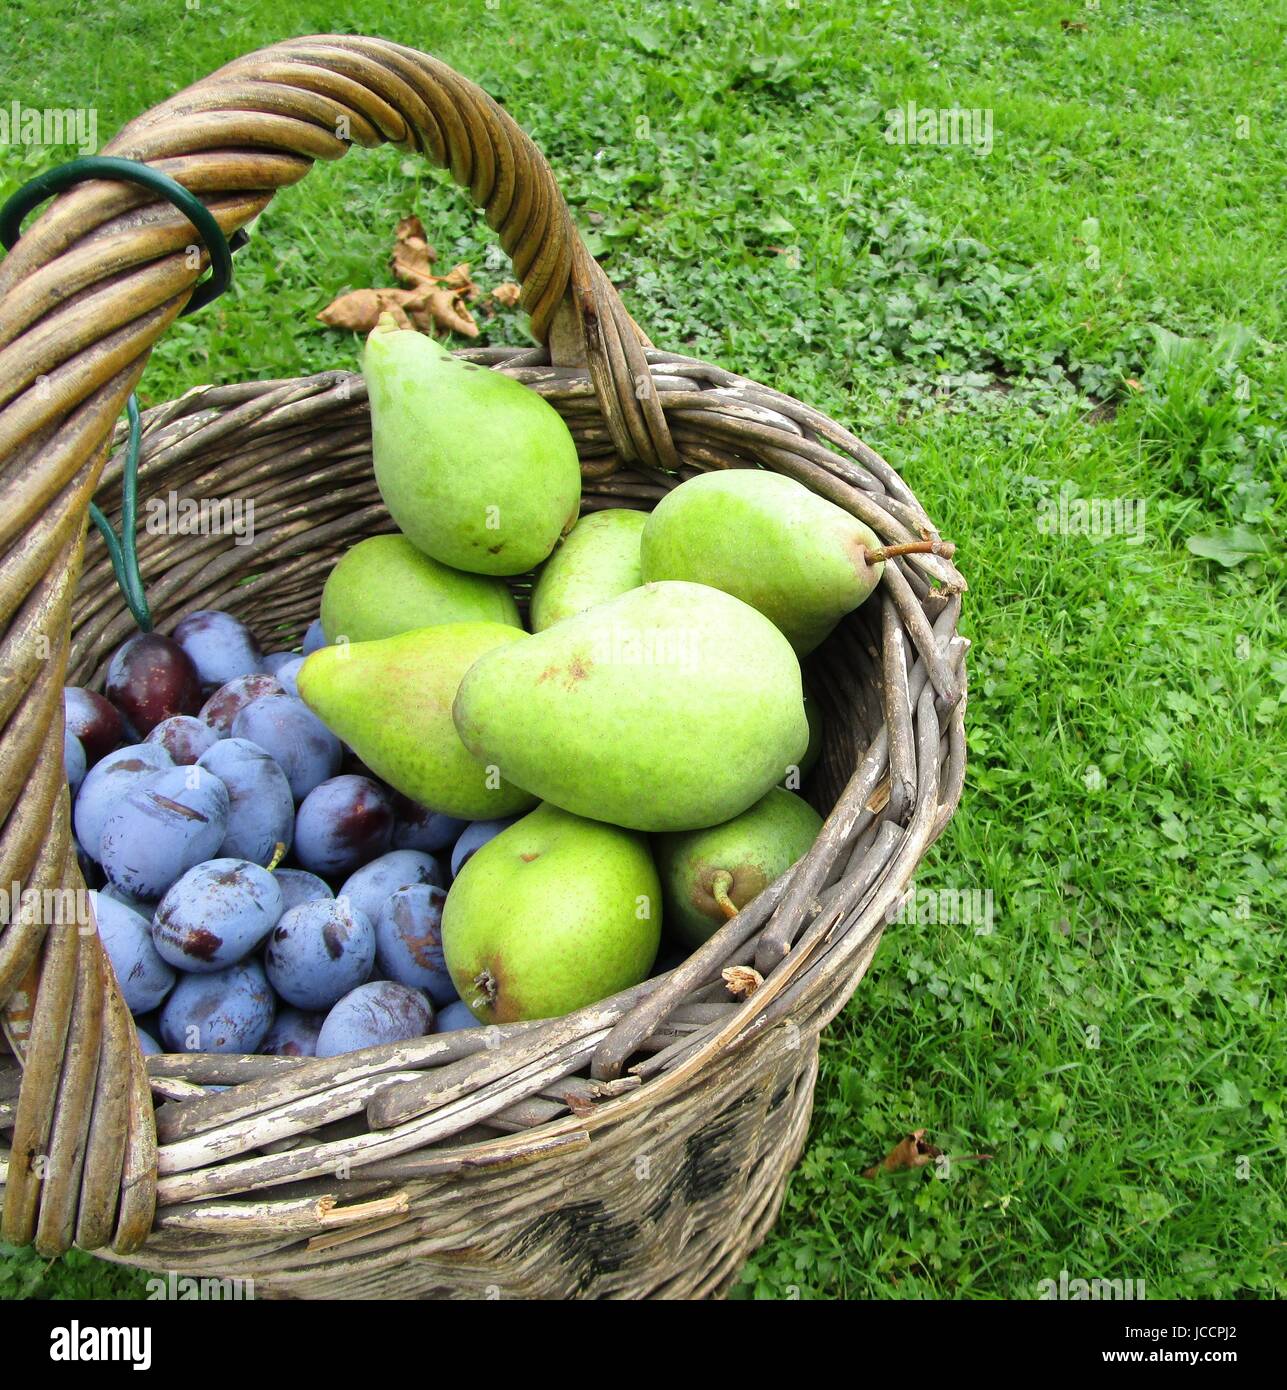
639	1148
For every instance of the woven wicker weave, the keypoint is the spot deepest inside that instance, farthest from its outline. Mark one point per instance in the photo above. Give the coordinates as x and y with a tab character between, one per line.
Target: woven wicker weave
639	1148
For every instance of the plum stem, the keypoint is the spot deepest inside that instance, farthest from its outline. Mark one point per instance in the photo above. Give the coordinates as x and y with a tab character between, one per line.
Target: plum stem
279	853
888	552
721	882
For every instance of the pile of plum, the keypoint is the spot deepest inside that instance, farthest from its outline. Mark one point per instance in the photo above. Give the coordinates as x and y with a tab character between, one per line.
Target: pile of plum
259	889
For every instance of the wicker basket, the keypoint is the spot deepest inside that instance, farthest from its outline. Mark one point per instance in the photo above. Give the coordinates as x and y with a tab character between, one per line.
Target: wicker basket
638	1148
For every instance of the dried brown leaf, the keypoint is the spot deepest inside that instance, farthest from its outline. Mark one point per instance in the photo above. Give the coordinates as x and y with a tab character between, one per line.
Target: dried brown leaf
912	1151
507	294
445	309
359	310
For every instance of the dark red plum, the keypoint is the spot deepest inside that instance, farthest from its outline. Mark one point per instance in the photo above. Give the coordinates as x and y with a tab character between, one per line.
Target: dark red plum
293	1034
408	942
184	737
150	678
230	1011
319	951
75	764
107	783
381	1012
342	823
220	646
94	720
299	886
164	826
215	914
371	886
417	827
143	976
261	810
223	706
294	737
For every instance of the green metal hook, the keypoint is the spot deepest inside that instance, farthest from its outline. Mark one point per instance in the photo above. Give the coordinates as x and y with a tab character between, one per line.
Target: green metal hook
123	550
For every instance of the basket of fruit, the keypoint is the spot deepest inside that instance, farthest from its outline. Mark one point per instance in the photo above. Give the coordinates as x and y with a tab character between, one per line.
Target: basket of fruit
483	945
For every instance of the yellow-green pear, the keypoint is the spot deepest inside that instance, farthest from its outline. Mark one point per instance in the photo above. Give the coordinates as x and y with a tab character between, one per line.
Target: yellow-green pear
554	913
598	560
708	875
384	586
475	468
799	559
671	707
390	701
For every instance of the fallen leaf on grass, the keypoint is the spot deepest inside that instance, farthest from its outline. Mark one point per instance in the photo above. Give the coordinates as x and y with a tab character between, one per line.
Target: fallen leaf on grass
360	310
507	294
912	1151
412	257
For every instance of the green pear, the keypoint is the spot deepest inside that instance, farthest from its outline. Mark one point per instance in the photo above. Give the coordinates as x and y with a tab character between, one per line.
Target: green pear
384	586
598	560
801	560
475	468
390	701
554	913
707	875
669	708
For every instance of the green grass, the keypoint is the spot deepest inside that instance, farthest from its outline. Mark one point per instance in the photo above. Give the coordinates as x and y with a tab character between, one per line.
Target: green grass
1116	1044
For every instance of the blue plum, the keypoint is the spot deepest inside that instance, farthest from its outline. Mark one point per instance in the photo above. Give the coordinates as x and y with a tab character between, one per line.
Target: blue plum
165	825
473	838
148	1045
372	885
144	977
184	737
261	809
408	941
454	1017
293	1034
274	661
319	951
215	914
294	737
220	646
417	827
150	678
75	764
288	673
381	1012
229	1011
94	720
343	822
223	706
314	638
145	907
299	886
106	785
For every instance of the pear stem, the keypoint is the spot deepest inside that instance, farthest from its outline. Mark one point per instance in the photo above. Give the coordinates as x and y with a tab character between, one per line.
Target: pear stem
721	882
888	552
486	983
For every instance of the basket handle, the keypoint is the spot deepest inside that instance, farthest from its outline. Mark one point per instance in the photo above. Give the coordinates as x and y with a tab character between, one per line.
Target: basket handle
84	295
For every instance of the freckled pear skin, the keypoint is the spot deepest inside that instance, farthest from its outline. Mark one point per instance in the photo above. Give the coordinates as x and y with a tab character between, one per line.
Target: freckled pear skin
732	863
598	560
768	540
390	701
553	914
476	469
383	586
671	707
